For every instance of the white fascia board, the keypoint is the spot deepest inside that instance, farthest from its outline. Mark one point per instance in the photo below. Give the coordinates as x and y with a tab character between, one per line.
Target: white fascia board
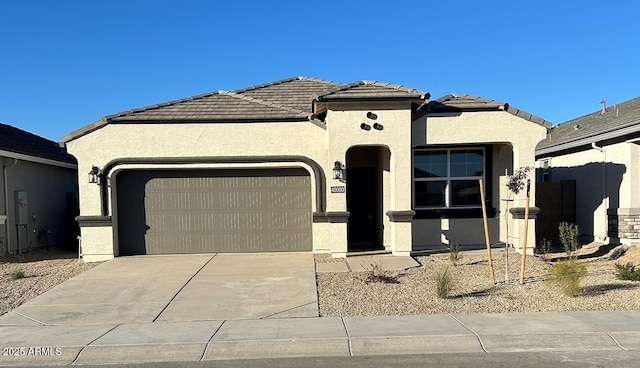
39	160
588	140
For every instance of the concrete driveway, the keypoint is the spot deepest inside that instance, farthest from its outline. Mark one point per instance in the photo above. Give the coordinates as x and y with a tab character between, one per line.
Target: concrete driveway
179	288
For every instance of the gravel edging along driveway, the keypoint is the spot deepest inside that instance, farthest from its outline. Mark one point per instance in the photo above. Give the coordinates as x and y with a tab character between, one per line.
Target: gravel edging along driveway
413	291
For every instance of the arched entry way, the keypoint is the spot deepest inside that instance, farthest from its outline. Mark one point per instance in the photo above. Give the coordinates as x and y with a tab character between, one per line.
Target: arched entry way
366	186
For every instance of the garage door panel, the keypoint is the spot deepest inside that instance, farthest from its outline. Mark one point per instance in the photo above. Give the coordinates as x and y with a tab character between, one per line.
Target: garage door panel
215	211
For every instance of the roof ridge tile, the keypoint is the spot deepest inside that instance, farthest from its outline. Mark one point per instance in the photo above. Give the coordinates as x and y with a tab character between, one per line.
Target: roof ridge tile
346	87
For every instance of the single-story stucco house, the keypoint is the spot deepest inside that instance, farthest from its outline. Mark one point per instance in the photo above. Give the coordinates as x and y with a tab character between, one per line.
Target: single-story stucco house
300	164
600	154
39	200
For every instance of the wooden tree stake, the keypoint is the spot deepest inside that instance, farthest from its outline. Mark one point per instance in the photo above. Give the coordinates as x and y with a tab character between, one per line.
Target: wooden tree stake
486	232
526	232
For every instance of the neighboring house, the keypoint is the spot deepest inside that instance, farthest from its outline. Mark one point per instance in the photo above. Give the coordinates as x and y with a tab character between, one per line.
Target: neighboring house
299	164
39	192
600	152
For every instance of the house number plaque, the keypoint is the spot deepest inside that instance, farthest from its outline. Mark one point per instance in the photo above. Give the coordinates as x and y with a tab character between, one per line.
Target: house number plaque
339	189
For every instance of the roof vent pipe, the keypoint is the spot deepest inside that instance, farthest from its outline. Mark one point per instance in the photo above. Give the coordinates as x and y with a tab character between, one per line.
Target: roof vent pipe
604	106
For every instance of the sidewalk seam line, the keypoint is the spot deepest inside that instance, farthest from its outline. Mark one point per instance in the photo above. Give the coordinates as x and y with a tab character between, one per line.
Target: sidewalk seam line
206	347
288	310
472	331
346	330
182	288
348	265
92	341
616	341
29	318
601	330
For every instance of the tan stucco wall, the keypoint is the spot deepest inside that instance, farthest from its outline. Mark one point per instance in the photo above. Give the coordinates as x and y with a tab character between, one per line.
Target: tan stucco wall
513	140
593	196
97	244
190	140
117	141
344	132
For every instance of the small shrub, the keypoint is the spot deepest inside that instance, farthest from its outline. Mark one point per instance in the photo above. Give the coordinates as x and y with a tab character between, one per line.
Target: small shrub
444	283
455	254
377	274
567	275
627	272
569	237
544	248
18	274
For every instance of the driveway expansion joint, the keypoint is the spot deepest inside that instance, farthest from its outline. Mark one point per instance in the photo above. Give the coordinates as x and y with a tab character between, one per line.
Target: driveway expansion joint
183	286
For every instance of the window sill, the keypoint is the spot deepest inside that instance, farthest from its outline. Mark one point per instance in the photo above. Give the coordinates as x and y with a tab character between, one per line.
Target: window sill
453	213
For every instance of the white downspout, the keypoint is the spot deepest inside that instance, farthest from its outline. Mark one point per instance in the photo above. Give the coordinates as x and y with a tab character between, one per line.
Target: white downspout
6	203
605	199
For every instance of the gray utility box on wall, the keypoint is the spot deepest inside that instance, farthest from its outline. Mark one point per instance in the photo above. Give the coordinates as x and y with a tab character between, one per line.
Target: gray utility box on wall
22	208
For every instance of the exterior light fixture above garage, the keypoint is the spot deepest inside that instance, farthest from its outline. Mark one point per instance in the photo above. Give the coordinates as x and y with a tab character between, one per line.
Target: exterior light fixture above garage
338	170
94	175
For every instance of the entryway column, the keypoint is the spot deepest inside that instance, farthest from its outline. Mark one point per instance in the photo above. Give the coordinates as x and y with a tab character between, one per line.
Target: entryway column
401	231
338	230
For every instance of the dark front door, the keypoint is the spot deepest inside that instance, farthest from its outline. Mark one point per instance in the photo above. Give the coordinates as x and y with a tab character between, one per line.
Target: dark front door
362	232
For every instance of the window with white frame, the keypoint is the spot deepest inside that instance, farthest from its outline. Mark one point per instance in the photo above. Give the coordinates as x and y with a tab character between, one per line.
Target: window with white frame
447	177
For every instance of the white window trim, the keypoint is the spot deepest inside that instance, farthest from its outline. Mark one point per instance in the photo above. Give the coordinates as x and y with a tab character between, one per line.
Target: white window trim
448	178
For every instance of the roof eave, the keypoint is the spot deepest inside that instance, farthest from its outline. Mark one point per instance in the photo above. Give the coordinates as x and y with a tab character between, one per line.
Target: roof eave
597	137
85	130
38	159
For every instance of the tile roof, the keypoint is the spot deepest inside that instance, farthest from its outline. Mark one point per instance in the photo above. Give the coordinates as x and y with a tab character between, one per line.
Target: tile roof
616	117
372	90
295	93
464	102
215	106
287	99
19	141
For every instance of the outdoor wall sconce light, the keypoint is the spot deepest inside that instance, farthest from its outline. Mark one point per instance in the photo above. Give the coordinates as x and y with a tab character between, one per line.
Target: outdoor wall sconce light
372	116
365	126
377	126
338	170
94	175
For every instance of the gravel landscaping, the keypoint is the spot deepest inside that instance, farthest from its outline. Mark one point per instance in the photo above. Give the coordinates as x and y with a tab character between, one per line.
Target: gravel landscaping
413	291
42	269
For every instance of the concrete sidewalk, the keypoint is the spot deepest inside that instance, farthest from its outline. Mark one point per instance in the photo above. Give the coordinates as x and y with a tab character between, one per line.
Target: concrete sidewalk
331	336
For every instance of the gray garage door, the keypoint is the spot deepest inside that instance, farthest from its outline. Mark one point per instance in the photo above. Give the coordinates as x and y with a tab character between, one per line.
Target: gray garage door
165	212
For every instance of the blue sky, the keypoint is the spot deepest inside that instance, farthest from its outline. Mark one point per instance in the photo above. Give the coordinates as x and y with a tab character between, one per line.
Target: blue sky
66	63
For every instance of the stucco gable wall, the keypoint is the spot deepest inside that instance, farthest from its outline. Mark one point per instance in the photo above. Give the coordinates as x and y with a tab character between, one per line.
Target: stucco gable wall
344	132
116	141
482	127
